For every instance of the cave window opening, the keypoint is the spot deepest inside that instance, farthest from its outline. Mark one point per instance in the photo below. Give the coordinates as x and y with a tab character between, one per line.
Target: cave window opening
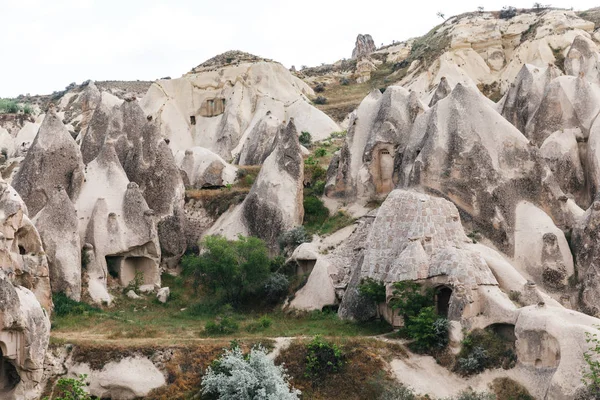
9	377
442	300
22	250
113	264
193	119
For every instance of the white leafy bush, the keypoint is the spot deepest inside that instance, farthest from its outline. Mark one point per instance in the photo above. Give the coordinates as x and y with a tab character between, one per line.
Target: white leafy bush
252	377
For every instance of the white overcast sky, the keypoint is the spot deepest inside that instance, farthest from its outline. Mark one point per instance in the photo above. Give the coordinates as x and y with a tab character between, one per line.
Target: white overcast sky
45	45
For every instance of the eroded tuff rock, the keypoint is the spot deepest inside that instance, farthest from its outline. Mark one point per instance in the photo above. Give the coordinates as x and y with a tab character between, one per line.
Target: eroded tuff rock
21	251
217	106
582	59
53	159
526	93
274	203
146	160
117	227
378	134
259	143
463	149
203	168
364	46
441	92
58	227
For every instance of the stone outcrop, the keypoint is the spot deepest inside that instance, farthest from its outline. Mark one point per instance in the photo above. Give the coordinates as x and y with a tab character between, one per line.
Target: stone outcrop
203	168
377	136
583	59
218	106
463	149
23	258
441	92
257	146
364	46
117	227
274	204
58	227
53	159
525	94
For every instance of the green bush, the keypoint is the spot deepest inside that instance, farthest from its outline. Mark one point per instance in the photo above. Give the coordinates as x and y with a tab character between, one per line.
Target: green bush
263	323
223	326
71	389
318	188
293	238
372	289
410	298
320	152
320	100
482	349
315	212
64	306
276	287
231	269
591	375
427	330
472	395
397	391
305	139
322	358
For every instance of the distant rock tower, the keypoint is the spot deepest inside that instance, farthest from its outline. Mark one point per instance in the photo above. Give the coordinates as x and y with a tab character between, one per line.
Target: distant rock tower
364	46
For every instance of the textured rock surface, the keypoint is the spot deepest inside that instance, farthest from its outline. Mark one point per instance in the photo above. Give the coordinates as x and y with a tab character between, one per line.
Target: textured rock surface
218	106
274	204
378	132
364	46
58	227
203	168
463	149
53	159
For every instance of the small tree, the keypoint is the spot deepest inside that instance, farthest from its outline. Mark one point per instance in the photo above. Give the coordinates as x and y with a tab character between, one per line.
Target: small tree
480	9
441	15
231	268
372	289
71	389
253	377
305	139
591	375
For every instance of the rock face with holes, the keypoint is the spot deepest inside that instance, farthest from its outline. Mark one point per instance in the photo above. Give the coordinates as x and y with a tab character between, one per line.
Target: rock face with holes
53	159
274	204
378	134
221	104
146	159
23	258
58	227
117	226
364	46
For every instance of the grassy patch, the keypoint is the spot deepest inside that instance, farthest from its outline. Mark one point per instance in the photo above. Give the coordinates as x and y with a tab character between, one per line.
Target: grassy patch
185	316
506	388
361	377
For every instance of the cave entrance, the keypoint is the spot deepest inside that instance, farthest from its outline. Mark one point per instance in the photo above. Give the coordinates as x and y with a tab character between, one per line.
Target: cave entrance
126	268
193	120
505	331
9	377
442	300
305	266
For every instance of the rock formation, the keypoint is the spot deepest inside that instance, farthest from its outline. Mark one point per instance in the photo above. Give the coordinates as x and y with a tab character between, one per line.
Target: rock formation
53	159
220	103
364	46
203	168
274	204
378	134
57	224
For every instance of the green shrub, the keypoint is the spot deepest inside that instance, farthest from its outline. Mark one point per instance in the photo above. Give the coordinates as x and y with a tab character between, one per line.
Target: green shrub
322	358
506	388
71	389
318	188
320	152
482	349
372	289
591	374
231	269
410	298
64	306
305	139
427	330
293	238
320	100
472	395
223	326
263	323
344	81
276	287
315	212
397	391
